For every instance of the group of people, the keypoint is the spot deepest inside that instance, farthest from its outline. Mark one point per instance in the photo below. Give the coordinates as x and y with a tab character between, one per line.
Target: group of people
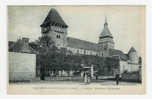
87	77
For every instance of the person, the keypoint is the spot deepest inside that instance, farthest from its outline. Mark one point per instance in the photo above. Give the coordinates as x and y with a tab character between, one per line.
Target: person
117	79
85	77
89	78
96	76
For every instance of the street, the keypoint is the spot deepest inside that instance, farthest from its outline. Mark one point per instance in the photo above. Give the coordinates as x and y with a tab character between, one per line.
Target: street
67	87
99	82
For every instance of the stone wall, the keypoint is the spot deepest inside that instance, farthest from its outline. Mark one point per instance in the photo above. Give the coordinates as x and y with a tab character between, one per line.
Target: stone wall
58	35
134	76
129	67
22	66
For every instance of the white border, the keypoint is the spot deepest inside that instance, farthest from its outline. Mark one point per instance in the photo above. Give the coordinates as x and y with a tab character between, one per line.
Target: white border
75	2
3	43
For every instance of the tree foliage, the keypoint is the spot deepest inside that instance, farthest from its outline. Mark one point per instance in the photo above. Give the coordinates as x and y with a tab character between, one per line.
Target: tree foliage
54	59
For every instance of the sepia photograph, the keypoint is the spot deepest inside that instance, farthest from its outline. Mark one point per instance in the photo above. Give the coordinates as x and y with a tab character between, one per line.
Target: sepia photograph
69	49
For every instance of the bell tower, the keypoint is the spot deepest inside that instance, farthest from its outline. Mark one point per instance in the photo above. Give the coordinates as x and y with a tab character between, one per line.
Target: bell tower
54	27
105	40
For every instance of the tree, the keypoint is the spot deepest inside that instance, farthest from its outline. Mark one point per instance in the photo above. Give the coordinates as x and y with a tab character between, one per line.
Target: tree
47	55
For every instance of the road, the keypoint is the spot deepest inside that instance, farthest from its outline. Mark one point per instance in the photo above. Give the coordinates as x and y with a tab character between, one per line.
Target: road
40	87
99	82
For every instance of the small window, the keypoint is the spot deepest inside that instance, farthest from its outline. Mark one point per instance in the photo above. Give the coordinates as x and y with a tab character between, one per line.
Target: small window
78	51
58	36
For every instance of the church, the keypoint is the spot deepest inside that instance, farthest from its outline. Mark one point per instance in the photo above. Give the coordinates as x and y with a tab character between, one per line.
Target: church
55	27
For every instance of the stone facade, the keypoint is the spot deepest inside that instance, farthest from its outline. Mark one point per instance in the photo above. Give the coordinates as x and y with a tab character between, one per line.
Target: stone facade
133	58
105	41
56	29
19	70
125	66
21	45
58	35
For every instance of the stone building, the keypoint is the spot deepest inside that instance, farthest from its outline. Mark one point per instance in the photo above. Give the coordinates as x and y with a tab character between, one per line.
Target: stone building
55	27
21	45
19	70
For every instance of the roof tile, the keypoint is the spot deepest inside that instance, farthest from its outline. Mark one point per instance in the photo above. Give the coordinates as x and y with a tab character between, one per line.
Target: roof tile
53	17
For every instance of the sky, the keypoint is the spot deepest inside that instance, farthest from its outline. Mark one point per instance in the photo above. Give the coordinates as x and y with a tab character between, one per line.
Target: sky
126	23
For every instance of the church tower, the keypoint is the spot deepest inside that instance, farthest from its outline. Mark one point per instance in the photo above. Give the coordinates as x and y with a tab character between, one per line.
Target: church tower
54	27
105	40
133	57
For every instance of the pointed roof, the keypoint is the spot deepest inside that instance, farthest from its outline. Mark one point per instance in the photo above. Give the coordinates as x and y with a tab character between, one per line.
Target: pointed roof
132	49
53	17
115	52
106	32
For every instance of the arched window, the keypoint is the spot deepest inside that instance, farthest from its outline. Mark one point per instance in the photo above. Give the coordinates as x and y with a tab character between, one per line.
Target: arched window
58	36
78	51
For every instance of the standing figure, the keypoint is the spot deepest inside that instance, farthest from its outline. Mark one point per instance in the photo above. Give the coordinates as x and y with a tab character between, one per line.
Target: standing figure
89	77
117	79
42	73
96	76
85	77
